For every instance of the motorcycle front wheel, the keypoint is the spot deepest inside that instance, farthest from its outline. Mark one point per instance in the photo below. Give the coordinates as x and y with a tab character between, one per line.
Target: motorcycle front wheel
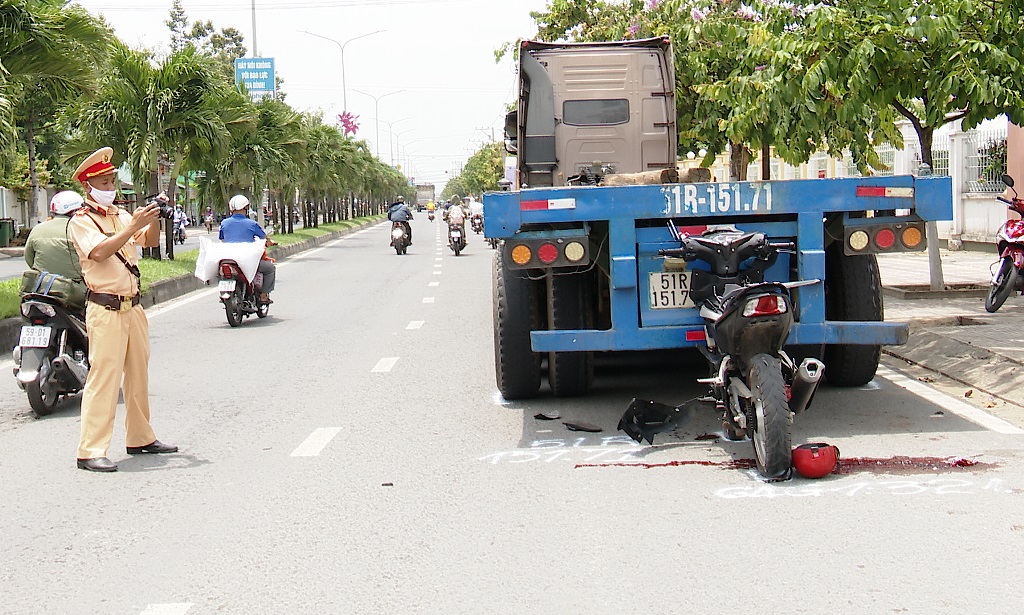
773	420
43	398
1003	284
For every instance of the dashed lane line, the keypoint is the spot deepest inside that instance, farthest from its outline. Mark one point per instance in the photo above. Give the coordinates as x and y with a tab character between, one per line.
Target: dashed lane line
428	300
416	324
434	284
316	442
171	608
957	407
384	365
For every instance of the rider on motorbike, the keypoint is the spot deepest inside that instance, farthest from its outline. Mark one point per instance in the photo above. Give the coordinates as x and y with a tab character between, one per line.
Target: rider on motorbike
455	214
400	212
238	228
180	222
476	209
49	247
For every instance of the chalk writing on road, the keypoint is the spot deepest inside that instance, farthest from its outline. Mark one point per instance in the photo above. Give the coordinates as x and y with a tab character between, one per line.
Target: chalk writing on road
903	487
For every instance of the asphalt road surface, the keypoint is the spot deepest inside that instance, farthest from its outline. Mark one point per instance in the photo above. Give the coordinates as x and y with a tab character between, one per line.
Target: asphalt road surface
350	454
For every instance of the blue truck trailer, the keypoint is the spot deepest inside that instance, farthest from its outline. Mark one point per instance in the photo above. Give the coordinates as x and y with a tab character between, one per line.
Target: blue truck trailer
578	270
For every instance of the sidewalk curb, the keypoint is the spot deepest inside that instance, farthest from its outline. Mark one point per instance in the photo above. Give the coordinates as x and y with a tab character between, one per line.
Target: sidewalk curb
973	366
165	290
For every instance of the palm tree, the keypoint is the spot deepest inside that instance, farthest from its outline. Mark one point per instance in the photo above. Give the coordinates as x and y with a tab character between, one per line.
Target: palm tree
50	54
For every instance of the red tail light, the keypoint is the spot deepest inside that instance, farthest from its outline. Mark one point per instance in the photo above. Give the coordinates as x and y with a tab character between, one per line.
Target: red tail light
226	271
766	305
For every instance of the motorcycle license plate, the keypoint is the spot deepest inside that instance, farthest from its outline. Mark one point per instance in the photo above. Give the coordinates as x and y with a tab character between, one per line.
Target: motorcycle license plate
35	337
226	286
456	234
669	290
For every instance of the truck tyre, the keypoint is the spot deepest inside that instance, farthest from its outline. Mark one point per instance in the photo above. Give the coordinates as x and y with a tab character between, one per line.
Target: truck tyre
853	291
570	374
516	366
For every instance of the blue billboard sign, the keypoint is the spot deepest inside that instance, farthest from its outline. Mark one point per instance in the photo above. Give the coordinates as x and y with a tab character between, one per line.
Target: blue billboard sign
257	74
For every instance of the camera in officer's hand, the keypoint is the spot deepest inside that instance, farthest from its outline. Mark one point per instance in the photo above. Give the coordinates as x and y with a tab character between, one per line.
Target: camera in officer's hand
166	211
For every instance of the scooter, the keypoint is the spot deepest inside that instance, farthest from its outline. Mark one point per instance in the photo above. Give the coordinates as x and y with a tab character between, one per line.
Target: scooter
399	238
52	356
430	215
754	385
1008	275
477	224
179	235
240	296
456	238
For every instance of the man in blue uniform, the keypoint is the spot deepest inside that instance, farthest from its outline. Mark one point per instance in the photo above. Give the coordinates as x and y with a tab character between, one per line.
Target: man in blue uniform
238	228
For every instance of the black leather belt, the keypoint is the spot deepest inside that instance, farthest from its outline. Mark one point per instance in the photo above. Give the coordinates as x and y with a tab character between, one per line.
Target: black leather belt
115	303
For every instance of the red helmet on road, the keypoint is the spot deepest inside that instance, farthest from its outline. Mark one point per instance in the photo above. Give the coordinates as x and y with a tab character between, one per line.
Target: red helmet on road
815	460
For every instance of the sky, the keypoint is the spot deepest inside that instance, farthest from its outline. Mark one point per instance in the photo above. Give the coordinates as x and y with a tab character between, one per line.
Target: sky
439	93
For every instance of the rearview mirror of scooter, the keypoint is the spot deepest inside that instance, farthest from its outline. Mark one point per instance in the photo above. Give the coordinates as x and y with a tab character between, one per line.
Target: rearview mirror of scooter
1007	180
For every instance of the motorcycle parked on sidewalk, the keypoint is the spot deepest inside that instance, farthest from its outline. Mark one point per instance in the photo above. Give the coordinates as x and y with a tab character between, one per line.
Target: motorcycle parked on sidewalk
1008	274
240	296
399	238
754	385
477	224
456	238
51	359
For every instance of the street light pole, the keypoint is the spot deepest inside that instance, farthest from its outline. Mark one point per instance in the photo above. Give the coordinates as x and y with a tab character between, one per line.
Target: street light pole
341	46
376	113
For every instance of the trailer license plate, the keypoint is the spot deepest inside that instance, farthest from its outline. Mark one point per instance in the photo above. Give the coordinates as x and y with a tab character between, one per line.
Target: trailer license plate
670	290
35	337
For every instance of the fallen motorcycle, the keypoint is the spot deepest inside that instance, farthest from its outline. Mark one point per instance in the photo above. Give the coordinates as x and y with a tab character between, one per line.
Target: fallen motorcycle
754	385
51	359
1008	271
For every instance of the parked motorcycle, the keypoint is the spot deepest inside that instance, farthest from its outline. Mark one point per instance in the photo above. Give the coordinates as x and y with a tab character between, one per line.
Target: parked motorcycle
456	238
52	356
240	296
477	224
755	385
399	238
1009	269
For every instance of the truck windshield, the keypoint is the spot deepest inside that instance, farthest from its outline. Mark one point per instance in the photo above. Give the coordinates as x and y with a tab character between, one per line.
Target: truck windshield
604	112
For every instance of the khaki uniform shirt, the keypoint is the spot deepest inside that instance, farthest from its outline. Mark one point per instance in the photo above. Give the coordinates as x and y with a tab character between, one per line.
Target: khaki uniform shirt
110	275
49	248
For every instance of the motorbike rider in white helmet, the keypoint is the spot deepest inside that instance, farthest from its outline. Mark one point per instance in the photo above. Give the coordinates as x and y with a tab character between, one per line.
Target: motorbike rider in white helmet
49	247
239	228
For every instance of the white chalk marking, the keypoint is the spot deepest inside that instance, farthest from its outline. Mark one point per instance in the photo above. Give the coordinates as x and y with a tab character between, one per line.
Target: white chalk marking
173	608
428	300
316	442
957	407
384	365
416	324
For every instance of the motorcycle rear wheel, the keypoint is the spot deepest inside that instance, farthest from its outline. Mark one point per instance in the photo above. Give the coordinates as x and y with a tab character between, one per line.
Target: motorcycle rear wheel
43	400
773	420
1002	286
233	305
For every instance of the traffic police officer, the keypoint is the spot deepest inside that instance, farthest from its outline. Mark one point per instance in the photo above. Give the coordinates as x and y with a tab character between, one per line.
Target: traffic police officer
105	238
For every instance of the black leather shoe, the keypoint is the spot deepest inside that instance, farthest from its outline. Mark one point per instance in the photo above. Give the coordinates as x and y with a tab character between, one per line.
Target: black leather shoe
156	446
97	464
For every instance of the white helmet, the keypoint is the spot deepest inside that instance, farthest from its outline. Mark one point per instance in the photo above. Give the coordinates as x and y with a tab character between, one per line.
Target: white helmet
238	202
66	202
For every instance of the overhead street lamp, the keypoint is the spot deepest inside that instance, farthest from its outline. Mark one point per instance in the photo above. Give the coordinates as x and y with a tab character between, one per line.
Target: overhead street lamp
376	112
341	46
394	142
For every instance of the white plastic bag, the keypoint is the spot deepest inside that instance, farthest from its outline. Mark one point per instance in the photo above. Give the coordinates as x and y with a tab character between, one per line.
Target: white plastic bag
211	253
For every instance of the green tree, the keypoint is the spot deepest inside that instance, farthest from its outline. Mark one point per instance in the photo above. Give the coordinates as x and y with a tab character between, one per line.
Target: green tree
177	22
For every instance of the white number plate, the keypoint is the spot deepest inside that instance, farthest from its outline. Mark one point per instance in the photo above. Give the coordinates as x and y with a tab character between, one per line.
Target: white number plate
35	337
456	234
670	290
226	286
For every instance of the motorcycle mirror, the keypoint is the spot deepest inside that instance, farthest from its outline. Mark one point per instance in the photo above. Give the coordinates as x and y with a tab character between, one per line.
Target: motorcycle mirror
1007	180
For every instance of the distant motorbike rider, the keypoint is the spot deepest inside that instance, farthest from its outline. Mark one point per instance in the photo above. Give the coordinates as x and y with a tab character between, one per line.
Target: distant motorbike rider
180	222
455	215
476	209
238	228
400	212
49	247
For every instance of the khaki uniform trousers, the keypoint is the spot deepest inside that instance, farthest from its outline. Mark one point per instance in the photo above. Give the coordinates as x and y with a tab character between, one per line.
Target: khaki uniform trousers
118	344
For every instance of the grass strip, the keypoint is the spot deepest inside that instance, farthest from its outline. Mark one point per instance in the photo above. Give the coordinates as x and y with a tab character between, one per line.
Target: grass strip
183	263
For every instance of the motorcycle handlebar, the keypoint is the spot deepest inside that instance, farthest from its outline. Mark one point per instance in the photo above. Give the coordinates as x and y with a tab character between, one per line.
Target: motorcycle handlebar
1004	200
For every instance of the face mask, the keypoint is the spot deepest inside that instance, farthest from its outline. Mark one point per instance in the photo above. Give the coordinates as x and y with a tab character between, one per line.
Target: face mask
103	197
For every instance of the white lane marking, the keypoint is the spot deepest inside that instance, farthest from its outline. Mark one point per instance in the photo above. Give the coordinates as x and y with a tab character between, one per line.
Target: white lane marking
428	300
437	265
316	442
434	284
415	324
173	608
161	308
957	407
437	273
438	259
384	365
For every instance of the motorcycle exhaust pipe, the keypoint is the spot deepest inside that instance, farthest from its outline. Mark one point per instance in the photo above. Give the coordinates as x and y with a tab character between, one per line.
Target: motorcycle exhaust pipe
805	383
70	372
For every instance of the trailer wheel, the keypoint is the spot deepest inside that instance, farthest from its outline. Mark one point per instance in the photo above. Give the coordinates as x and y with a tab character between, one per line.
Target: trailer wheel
516	366
570	374
853	291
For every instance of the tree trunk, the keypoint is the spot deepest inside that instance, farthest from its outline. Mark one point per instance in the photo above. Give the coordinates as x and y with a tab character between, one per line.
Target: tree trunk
33	176
739	159
766	162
